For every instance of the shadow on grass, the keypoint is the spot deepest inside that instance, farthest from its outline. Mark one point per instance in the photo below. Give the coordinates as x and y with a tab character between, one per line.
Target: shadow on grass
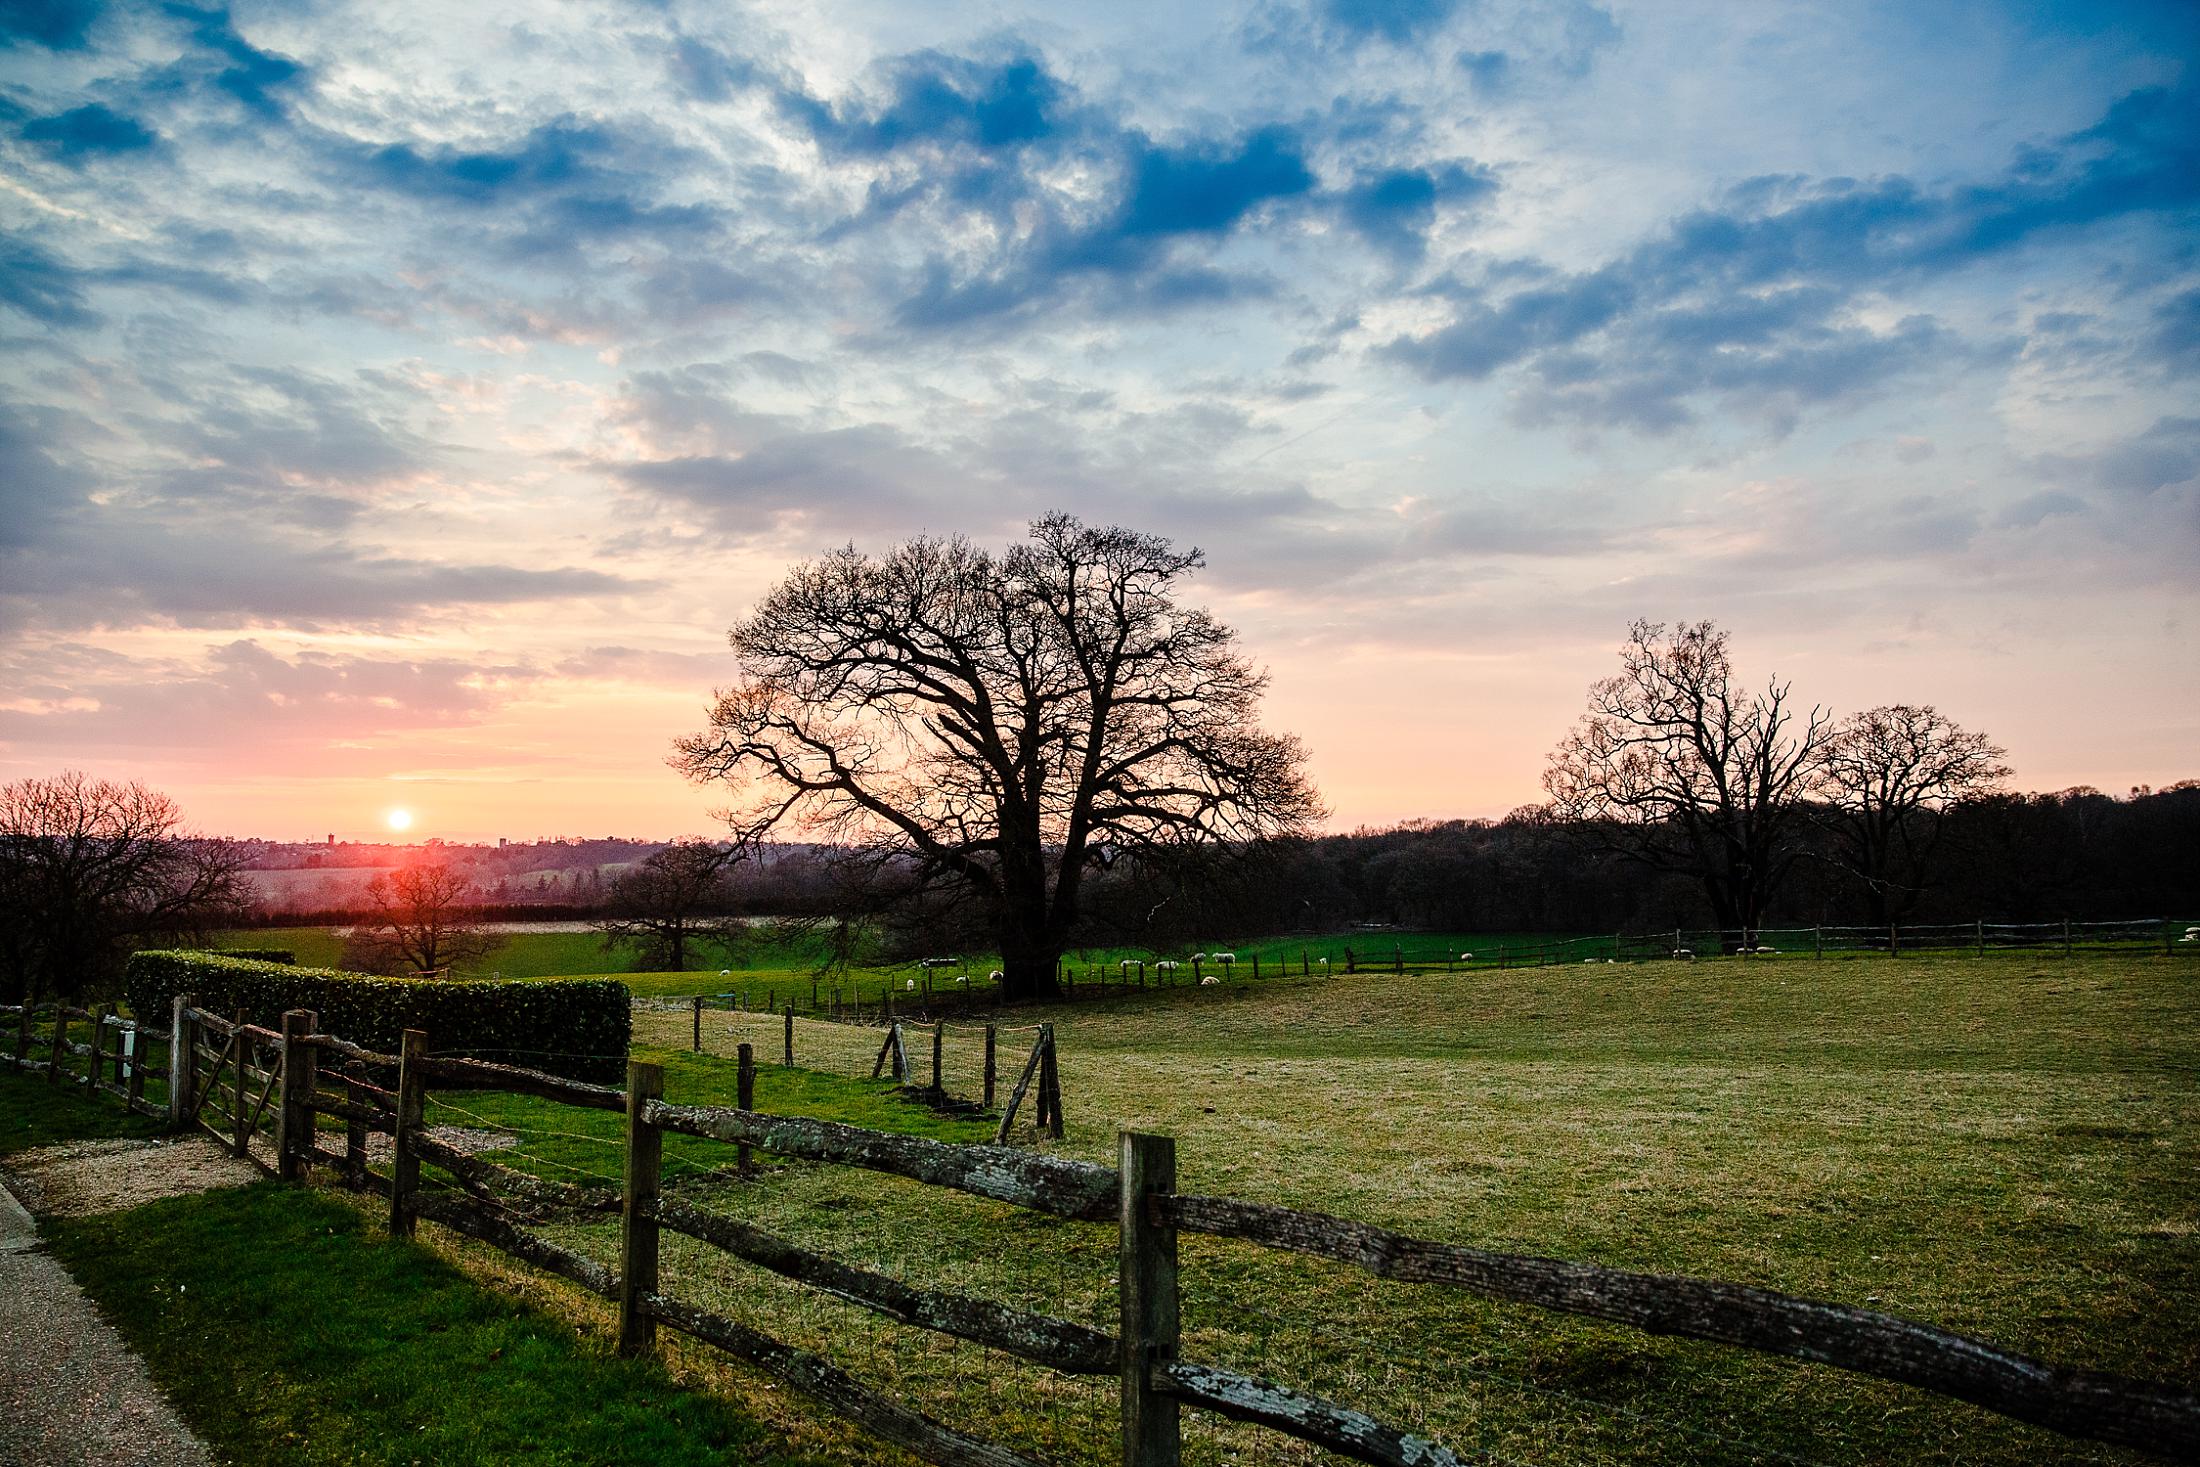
286	1330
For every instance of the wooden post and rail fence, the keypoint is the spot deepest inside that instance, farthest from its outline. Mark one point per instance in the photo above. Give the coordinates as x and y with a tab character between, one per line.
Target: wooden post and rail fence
316	1074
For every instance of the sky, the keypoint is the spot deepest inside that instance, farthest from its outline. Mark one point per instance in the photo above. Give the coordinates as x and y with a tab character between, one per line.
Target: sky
399	401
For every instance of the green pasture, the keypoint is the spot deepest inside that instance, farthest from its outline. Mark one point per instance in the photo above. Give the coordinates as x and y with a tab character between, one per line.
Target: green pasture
2002	1146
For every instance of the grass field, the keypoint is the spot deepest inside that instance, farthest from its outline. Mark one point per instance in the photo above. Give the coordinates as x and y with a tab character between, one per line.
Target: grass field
2003	1146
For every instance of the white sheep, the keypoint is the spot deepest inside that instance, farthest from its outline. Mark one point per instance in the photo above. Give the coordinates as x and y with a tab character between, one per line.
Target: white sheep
1168	965
996	975
910	984
960	980
1463	957
1209	981
1226	959
1686	955
1199	957
1321	962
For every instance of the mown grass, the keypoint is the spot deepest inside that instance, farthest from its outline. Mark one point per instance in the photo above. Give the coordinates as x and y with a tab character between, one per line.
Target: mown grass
2003	1146
287	1330
568	1143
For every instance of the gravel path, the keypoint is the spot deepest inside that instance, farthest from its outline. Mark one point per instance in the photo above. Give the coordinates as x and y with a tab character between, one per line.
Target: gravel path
71	1392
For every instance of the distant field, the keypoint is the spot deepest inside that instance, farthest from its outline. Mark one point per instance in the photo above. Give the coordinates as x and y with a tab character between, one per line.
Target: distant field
2003	1145
786	967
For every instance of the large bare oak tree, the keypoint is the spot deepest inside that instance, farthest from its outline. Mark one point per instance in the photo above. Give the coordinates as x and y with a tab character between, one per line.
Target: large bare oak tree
1676	765
1000	724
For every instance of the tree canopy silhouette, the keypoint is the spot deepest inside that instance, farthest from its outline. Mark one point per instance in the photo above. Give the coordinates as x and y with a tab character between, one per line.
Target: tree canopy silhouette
998	725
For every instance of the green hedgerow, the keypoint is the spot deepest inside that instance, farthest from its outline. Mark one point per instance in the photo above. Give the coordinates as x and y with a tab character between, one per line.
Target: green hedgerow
578	1027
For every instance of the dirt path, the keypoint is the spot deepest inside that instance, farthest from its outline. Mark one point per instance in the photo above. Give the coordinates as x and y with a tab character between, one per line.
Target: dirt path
72	1393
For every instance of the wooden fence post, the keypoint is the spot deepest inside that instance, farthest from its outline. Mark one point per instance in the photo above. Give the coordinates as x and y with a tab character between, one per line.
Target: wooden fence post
60	1043
1023	1082
901	1053
789	1060
990	1071
1146	1267
96	1062
2066	947
355	1130
744	1096
1050	1088
240	1118
183	1061
133	1091
1818	942
412	1110
638	1208
939	1031
300	1078
1982	937
23	1022
1891	940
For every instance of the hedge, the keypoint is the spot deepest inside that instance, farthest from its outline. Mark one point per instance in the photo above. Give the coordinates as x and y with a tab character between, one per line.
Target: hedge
256	954
578	1027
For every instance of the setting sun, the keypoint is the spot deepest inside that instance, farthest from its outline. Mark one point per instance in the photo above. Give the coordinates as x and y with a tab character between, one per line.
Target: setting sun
400	819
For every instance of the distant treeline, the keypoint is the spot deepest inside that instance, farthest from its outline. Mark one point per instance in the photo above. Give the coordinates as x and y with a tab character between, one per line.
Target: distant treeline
2077	854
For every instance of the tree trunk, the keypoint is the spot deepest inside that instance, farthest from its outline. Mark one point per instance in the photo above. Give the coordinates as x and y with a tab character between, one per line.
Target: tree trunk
1030	966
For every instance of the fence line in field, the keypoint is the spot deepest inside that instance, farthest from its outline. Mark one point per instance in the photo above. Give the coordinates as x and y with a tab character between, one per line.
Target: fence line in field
317	1074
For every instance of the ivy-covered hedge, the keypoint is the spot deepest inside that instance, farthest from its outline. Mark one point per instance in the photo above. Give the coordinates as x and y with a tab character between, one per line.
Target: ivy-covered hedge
257	954
578	1027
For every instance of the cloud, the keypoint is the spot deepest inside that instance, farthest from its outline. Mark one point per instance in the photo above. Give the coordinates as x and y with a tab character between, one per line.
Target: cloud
260	80
41	286
89	130
1394	209
305	698
934	99
1757	300
1400	22
58	25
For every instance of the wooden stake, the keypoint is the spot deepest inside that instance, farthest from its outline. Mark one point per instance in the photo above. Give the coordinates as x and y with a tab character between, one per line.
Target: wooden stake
744	1096
355	1131
412	1110
637	1218
241	1119
183	1048
789	1051
1146	1266
96	1062
696	1042
300	1078
1050	1088
939	1032
60	1044
989	1066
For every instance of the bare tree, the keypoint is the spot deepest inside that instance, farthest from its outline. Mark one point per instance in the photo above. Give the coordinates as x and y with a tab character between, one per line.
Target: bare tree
672	905
91	870
421	922
999	725
1674	766
1887	778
